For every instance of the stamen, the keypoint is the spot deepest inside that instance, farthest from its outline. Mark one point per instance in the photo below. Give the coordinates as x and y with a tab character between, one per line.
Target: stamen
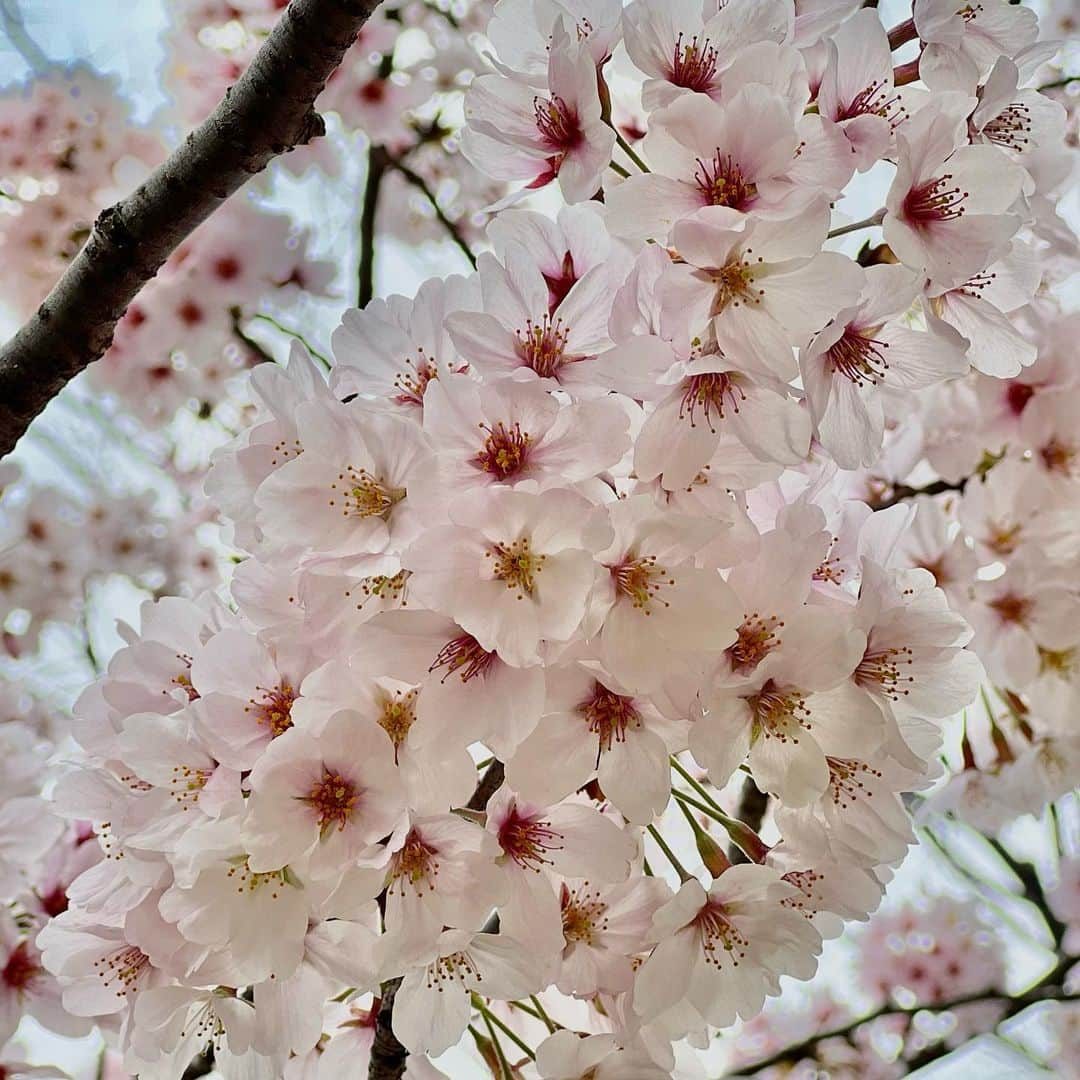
641	580
416	866
858	358
333	798
528	840
542	346
845	785
934	201
721	939
397	716
364	495
608	715
710	393
584	914
505	451
779	713
464	656
757	638
693	66
722	183
880	671
516	565
275	708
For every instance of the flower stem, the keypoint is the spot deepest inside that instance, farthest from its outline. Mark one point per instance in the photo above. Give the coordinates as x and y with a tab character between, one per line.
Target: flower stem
661	843
629	151
548	1022
489	1019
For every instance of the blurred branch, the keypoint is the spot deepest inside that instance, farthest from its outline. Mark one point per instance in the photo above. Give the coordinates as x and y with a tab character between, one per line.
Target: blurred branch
236	317
376	170
267	112
1049	988
11	21
421	185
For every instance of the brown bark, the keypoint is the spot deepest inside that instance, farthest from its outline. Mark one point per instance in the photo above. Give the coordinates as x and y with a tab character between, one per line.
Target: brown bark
269	111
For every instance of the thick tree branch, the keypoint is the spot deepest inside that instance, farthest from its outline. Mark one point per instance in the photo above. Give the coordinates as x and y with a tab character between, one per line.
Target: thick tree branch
269	111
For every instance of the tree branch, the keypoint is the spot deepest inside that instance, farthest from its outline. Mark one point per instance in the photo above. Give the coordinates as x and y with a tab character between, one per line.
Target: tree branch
418	182
376	170
11	21
268	112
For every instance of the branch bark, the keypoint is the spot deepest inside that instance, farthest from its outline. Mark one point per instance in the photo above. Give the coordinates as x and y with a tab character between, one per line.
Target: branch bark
269	111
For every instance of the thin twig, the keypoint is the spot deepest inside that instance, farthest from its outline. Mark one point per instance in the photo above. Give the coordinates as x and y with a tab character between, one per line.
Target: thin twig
421	185
871	222
236	318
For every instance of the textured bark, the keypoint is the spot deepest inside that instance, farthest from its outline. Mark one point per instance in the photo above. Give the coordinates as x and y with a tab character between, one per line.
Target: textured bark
388	1056
269	111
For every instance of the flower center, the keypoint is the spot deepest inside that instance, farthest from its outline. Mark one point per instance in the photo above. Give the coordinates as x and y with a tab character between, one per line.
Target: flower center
757	638
1058	456
465	656
364	495
397	717
416	864
694	64
1017	395
558	125
275	708
710	393
559	286
880	671
641	580
1003	539
845	785
720	938
516	565
584	914
858	358
505	451
333	798
779	713
934	201
21	969
1012	608
411	383
1063	663
609	715
528	840
722	183
122	969
542	346
734	283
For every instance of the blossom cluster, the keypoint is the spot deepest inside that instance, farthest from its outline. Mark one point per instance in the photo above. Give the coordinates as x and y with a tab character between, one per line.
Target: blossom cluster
53	546
584	541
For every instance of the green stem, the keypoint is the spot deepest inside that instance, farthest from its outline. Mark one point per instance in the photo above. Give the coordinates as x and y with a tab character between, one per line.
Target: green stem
299	337
661	843
615	167
490	1019
548	1022
629	151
